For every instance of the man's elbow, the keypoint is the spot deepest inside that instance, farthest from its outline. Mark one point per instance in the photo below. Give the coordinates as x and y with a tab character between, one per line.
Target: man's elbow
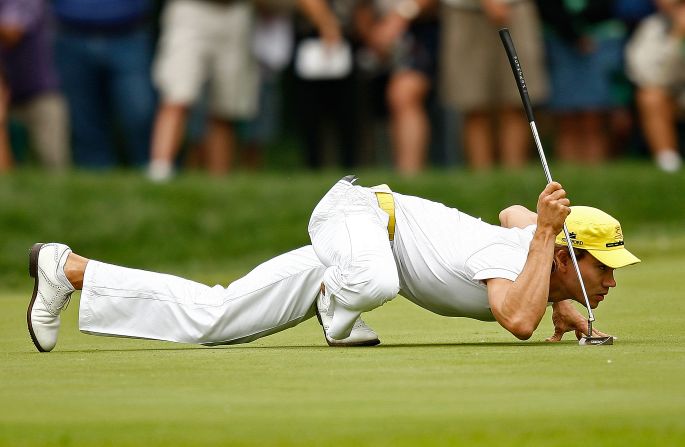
506	213
522	330
504	216
523	334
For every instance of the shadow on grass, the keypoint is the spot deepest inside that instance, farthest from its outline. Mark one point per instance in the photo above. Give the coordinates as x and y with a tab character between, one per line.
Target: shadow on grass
470	344
300	347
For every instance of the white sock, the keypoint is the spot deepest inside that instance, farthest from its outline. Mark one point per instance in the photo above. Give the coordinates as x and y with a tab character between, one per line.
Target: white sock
669	160
160	171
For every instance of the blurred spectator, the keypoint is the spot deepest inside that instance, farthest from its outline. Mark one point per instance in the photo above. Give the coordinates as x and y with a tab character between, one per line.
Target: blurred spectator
223	83
402	37
203	41
28	65
656	64
103	52
584	52
325	85
625	134
476	77
632	12
272	45
5	149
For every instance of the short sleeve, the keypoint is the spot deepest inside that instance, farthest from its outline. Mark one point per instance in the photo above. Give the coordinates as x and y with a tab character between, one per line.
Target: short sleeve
499	260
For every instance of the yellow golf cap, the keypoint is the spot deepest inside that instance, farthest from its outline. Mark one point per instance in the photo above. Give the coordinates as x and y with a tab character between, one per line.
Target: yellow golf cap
597	232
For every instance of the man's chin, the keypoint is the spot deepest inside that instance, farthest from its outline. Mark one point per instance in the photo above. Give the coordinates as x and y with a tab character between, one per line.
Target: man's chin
594	302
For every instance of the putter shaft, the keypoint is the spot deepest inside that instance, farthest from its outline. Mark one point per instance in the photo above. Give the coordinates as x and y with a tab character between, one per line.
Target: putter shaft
548	175
528	107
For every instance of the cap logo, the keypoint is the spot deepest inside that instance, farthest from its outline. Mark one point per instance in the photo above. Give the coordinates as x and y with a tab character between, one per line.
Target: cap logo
619	233
618	236
573	241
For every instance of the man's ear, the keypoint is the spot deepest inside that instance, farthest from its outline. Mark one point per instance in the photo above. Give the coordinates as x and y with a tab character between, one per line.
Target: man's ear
562	259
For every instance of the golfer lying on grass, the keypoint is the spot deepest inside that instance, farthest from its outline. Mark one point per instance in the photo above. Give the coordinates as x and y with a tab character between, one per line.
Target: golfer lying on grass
368	244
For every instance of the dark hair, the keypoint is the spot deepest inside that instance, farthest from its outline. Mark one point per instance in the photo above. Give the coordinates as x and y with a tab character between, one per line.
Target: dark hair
579	252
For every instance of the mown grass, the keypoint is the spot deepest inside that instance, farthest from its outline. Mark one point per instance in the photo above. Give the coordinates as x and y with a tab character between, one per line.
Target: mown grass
433	380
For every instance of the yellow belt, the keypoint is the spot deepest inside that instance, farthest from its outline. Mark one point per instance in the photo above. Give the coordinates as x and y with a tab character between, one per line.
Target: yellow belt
387	204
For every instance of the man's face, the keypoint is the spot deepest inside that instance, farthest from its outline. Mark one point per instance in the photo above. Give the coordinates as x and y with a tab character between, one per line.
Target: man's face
598	279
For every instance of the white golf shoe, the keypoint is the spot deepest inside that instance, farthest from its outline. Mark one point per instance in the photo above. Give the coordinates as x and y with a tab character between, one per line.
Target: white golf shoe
361	335
51	292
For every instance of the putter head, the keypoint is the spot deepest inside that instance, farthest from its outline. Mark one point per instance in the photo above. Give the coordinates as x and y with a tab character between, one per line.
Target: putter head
596	341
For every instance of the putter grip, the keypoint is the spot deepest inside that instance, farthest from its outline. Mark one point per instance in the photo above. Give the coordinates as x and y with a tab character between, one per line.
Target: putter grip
518	72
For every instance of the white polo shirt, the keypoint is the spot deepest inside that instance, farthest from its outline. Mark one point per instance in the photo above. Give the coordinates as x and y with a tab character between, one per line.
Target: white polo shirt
443	256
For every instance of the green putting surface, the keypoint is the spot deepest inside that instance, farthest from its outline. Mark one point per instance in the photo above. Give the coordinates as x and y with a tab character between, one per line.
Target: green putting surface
433	381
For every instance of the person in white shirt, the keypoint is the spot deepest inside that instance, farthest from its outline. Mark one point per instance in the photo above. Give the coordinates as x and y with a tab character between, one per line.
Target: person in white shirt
655	62
368	244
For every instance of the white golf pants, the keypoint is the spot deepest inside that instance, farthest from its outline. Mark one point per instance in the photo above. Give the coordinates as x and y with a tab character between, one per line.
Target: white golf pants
276	295
349	234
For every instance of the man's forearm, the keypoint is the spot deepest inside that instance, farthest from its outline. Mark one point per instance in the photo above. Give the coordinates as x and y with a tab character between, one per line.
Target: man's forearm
520	305
525	301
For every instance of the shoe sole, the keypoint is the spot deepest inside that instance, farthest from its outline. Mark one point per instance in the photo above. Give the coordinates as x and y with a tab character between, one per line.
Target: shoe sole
33	272
373	342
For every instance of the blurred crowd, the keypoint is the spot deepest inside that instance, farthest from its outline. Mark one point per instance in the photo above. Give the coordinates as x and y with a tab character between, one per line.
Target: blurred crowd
168	85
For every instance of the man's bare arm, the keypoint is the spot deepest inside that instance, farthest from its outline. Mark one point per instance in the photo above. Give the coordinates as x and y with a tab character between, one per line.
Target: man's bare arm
381	34
517	216
520	305
321	15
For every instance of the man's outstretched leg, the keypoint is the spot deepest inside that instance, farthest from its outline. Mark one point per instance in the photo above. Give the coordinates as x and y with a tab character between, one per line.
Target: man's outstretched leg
120	301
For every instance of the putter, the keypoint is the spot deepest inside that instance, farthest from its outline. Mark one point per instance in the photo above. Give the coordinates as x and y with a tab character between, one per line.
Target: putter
587	340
